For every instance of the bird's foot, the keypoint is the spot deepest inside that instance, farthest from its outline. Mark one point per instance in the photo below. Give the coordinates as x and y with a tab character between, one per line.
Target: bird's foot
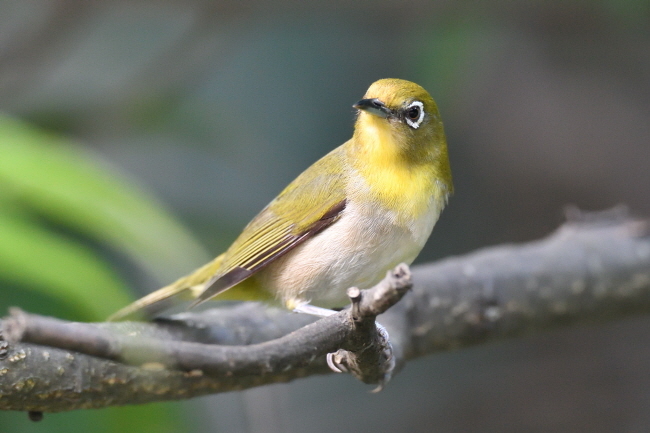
343	361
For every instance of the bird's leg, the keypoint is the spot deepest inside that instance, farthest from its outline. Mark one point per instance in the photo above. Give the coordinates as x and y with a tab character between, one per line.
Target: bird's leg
307	308
335	360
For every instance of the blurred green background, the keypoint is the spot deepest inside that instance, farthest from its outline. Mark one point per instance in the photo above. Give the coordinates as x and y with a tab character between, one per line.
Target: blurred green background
137	138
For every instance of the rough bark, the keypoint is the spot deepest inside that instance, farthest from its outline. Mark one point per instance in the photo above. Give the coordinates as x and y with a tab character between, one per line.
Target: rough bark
592	269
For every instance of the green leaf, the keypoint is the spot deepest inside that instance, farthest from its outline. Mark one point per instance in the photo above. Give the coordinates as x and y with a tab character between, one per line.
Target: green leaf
38	259
58	203
73	187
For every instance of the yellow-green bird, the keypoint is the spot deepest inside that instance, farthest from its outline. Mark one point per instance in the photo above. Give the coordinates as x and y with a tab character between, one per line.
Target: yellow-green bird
359	211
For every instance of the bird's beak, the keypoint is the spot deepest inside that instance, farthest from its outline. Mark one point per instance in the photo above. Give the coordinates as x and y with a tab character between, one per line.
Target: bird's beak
374	106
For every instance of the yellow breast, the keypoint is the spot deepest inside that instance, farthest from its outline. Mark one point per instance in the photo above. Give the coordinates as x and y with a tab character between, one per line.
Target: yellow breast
389	178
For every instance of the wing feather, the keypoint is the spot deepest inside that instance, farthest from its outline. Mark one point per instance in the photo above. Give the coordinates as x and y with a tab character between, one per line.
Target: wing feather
281	226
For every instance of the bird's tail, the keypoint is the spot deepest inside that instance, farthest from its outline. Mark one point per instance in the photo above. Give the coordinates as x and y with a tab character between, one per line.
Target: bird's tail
187	287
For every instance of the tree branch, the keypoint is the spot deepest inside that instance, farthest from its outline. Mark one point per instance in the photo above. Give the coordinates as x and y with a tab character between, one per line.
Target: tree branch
592	269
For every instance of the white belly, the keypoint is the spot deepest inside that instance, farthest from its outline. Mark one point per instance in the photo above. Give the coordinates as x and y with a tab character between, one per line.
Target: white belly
356	250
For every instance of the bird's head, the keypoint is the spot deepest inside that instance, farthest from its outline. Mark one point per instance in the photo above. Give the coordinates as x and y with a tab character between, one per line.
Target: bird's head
398	115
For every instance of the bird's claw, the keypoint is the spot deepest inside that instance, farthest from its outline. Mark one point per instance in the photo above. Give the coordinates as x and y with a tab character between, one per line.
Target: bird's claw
338	361
335	361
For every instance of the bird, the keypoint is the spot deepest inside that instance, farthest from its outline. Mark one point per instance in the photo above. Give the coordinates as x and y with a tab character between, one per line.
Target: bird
365	207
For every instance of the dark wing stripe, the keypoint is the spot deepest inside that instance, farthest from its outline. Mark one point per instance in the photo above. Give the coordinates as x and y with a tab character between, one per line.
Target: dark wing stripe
239	273
266	257
220	284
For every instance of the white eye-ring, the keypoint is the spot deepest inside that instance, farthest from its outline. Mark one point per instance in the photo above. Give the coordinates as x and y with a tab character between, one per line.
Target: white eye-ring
414	114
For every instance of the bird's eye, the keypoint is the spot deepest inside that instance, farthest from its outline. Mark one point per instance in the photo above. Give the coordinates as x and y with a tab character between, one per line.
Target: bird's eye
414	114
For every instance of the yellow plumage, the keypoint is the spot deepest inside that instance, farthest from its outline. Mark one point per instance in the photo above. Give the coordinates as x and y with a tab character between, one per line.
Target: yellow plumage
357	212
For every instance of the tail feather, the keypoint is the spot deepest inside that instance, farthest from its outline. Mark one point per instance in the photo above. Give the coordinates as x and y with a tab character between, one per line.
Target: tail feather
160	300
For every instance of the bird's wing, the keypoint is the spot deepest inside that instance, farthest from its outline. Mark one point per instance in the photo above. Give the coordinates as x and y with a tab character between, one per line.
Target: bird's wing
311	203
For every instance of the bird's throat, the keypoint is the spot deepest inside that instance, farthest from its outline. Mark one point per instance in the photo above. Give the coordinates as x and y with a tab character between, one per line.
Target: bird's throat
394	180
